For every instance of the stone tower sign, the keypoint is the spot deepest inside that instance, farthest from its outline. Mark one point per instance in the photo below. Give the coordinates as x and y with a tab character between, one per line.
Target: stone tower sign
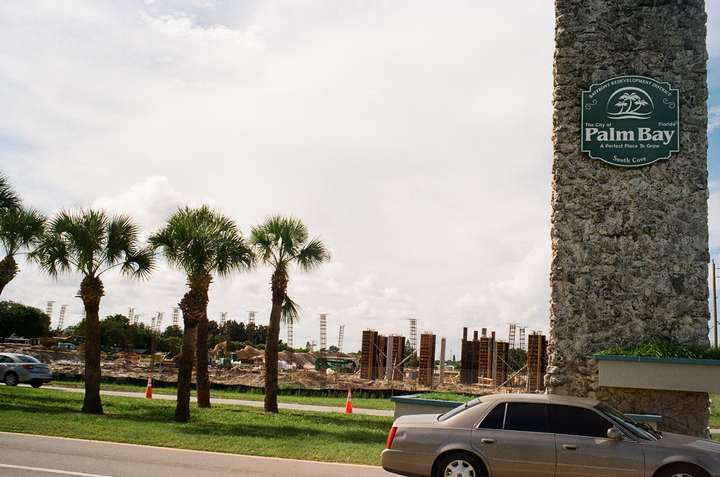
629	243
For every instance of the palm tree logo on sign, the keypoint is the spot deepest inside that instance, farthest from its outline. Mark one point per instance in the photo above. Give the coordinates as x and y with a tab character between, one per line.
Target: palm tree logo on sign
630	103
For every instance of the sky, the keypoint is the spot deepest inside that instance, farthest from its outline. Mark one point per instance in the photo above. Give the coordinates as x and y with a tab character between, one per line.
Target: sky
413	137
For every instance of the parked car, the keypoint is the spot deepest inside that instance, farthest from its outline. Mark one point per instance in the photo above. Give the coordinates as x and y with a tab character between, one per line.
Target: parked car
18	368
534	435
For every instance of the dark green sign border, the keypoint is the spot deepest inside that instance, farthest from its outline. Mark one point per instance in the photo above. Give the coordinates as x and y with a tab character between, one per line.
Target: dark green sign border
663	154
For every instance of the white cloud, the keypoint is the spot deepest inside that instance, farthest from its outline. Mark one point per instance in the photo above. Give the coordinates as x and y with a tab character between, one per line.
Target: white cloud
469	300
713	28
713	118
150	202
714	217
391	128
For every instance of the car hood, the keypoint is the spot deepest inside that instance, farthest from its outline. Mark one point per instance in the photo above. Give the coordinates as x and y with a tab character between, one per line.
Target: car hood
416	420
679	441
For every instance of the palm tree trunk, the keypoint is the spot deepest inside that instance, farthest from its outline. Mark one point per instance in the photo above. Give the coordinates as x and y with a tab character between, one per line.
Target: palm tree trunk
8	270
194	308
279	288
203	380
91	290
185	367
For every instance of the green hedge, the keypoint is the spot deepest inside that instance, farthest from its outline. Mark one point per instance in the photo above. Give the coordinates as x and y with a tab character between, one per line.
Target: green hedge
446	396
665	349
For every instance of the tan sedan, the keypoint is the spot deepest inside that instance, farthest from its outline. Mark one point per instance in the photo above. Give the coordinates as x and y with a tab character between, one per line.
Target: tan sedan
534	435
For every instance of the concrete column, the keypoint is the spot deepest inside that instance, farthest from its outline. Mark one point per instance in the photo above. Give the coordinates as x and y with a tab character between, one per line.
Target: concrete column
442	360
389	374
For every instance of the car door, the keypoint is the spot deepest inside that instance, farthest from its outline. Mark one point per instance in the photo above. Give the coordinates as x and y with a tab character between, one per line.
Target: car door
515	440
583	448
5	363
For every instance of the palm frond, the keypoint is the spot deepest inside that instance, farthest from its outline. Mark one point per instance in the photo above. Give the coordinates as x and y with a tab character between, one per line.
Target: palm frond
8	198
122	235
290	311
139	263
233	254
85	235
293	233
163	239
265	245
51	254
92	242
279	241
201	242
314	254
20	228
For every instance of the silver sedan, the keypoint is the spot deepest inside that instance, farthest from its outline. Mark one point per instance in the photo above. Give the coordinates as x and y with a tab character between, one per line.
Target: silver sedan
18	368
533	435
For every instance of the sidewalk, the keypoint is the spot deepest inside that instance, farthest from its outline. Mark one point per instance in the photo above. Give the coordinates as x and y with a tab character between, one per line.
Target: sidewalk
233	402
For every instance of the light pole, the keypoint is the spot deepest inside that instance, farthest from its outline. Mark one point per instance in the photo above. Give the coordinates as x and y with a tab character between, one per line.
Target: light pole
715	314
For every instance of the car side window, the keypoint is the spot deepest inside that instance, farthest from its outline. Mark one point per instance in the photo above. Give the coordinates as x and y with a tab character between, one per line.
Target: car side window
495	418
5	359
578	421
528	417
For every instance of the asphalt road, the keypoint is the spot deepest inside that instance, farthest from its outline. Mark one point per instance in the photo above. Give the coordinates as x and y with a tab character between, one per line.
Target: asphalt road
23	455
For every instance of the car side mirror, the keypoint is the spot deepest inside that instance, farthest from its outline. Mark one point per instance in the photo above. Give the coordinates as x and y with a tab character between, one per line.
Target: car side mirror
614	434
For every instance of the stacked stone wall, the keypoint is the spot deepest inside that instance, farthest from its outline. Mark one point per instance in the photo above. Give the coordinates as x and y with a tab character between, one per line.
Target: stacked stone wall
683	412
629	245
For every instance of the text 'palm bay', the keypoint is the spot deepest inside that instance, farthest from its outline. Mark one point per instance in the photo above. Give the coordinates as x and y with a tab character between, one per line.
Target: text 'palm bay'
664	136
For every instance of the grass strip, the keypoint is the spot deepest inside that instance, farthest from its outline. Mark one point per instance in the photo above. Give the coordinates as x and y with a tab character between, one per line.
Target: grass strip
314	436
358	402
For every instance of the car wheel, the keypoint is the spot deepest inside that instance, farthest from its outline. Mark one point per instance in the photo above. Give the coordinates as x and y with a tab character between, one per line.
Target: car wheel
681	470
36	384
11	379
459	465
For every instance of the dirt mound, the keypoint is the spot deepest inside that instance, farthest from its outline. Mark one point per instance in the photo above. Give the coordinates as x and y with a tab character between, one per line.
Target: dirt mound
248	353
301	360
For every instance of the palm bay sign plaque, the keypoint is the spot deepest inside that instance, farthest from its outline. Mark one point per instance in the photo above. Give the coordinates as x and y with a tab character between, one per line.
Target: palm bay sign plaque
630	121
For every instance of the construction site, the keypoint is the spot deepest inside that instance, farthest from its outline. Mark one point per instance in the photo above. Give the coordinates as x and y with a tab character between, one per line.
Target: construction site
485	363
385	362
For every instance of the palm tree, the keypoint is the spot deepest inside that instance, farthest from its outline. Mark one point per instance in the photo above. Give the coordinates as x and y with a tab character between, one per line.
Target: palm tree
8	198
627	100
91	242
640	103
20	228
632	100
281	242
201	242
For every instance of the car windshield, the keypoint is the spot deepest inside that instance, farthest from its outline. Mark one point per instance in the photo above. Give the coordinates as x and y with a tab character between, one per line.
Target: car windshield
638	430
459	409
26	359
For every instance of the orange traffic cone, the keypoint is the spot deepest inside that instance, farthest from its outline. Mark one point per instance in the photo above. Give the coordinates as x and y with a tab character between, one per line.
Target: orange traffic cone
148	389
348	403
